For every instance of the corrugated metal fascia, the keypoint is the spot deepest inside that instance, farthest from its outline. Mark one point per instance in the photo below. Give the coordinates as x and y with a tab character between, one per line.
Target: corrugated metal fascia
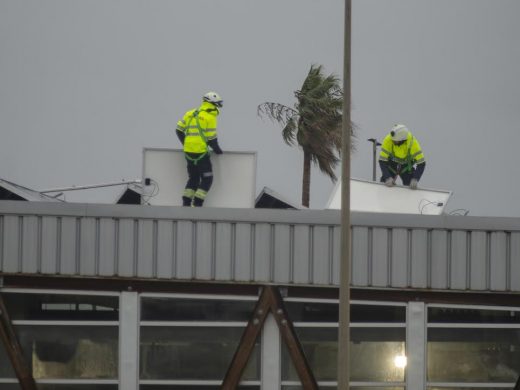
309	217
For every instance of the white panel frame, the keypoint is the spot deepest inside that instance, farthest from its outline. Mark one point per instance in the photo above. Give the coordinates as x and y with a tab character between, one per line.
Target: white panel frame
129	341
369	196
234	182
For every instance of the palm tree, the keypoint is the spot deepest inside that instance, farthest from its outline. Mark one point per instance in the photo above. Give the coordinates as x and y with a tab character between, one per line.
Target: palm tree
314	124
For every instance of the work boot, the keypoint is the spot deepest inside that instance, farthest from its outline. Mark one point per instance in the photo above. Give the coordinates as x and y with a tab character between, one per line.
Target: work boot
186	202
197	202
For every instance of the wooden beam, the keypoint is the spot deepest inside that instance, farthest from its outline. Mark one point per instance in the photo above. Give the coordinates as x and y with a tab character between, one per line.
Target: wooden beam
291	339
270	301
14	350
247	342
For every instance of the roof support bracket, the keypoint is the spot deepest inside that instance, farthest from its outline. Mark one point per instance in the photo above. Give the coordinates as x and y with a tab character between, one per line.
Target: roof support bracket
270	301
14	350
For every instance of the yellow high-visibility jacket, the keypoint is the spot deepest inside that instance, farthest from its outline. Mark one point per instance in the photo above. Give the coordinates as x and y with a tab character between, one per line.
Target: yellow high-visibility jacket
408	153
198	126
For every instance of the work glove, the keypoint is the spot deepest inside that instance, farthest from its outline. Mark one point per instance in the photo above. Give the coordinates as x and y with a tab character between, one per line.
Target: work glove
413	184
389	182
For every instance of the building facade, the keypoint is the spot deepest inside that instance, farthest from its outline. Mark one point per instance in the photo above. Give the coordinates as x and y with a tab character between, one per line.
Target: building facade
152	298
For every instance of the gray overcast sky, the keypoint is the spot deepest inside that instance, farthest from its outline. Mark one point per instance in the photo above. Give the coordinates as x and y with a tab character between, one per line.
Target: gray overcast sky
85	85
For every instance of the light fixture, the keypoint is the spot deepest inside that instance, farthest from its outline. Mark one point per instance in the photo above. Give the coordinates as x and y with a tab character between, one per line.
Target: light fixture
400	361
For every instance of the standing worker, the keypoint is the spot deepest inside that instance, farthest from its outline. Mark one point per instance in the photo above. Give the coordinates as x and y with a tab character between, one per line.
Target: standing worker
401	155
197	130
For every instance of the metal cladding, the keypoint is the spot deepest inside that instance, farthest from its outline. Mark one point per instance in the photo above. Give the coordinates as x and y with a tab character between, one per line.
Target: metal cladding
287	247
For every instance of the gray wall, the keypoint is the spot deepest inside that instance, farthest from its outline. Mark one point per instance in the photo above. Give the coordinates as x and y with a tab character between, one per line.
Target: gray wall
298	247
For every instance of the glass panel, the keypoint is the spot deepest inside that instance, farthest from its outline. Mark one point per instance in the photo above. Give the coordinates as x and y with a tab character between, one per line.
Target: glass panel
352	388
179	309
312	311
477	316
6	371
373	354
61	307
70	352
467	388
473	355
328	312
48	386
189	387
196	353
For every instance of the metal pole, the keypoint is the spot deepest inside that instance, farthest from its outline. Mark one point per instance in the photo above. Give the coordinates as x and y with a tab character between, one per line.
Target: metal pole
375	144
85	187
344	289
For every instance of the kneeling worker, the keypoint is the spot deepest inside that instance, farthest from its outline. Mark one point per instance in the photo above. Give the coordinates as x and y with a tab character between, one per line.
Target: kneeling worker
401	155
196	130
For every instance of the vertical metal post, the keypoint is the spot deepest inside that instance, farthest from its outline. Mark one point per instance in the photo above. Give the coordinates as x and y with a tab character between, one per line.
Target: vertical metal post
129	340
375	144
344	290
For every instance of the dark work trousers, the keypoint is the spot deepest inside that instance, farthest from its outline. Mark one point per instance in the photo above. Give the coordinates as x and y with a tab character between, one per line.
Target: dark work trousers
200	179
406	177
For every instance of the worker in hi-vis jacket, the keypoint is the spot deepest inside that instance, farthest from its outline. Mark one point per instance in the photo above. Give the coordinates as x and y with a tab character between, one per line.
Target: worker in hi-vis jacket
197	130
401	155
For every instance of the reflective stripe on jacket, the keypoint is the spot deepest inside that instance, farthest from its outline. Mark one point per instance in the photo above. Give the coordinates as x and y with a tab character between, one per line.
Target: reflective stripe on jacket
408	152
199	126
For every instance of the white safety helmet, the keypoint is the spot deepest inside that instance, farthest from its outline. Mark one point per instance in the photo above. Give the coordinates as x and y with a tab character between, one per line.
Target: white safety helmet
214	98
399	133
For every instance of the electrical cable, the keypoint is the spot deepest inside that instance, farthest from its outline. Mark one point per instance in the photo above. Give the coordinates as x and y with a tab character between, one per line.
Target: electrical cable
428	203
155	192
462	212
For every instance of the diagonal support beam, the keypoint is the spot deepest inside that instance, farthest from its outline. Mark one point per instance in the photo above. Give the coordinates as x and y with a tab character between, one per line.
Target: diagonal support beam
14	350
270	301
291	340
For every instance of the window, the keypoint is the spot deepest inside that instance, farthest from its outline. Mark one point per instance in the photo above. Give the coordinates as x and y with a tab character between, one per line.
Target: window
472	345
70	338
378	340
188	341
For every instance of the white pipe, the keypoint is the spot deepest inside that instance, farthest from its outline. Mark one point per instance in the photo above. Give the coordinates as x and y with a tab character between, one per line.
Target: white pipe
74	188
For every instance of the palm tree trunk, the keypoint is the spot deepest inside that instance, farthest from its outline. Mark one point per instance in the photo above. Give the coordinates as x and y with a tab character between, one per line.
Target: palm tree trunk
306	182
